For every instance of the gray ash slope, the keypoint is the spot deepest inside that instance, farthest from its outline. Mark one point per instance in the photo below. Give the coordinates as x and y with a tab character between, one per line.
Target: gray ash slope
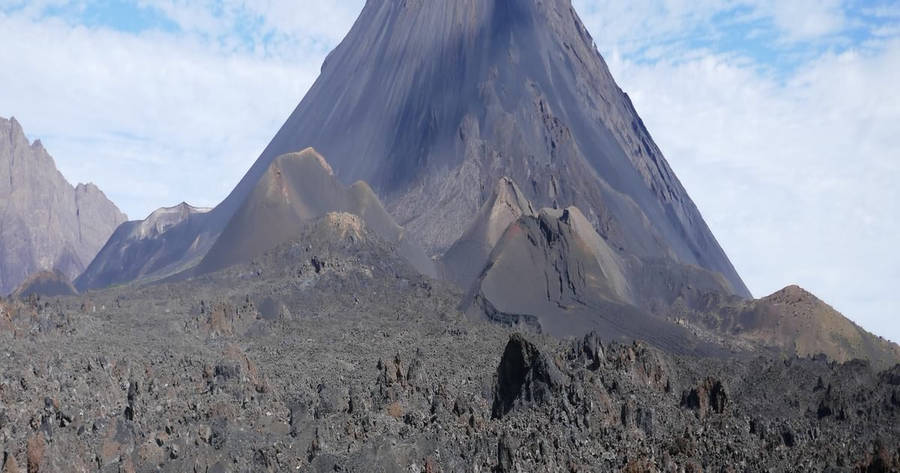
553	272
46	224
432	102
297	189
330	353
168	241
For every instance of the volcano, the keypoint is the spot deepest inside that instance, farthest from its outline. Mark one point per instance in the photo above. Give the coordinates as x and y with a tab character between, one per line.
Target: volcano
432	103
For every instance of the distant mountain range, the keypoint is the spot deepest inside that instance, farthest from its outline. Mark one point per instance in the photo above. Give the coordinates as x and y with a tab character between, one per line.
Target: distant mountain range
45	223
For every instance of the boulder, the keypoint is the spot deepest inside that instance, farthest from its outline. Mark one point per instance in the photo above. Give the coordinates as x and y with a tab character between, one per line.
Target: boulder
708	397
527	376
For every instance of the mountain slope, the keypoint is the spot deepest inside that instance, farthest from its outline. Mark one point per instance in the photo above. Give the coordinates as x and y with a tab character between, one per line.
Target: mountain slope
297	189
169	240
433	102
553	272
45	223
447	97
795	321
465	260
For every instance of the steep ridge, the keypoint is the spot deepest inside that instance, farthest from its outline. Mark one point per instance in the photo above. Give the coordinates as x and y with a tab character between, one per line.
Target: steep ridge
553	272
432	102
465	260
169	240
45	223
162	219
297	189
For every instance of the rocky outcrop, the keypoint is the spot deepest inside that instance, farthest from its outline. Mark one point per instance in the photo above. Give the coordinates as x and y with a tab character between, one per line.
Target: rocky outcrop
526	377
554	273
163	219
45	223
369	367
549	262
709	397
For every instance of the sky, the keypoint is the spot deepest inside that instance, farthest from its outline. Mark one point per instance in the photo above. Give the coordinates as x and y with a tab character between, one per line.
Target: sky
781	118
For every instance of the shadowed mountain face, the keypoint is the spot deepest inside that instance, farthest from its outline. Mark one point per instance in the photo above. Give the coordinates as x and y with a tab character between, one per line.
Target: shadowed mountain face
169	240
432	102
45	223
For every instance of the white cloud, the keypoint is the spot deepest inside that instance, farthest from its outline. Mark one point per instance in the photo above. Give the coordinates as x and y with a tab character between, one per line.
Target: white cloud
805	19
668	26
280	28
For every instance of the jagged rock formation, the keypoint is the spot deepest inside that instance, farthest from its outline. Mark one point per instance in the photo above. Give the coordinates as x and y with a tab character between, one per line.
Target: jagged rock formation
145	249
45	223
45	283
554	273
297	189
432	102
369	367
161	220
526	377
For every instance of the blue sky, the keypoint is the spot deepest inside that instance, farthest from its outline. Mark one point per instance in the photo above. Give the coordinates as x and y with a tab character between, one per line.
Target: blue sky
780	117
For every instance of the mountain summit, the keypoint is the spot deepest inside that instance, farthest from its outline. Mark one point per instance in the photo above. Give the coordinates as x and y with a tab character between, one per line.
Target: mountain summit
46	224
432	103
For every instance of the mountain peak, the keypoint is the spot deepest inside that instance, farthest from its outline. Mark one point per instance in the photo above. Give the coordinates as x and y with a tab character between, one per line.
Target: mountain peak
308	155
86	188
164	218
15	135
798	322
47	224
464	93
465	259
434	102
297	190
